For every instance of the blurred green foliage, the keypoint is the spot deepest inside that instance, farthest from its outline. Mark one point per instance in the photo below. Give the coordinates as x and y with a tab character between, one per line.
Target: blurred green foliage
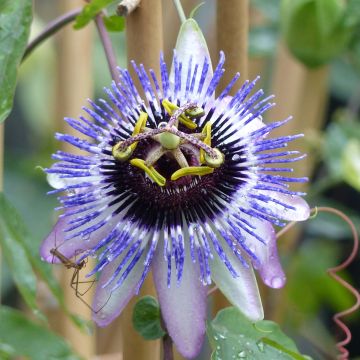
317	32
22	337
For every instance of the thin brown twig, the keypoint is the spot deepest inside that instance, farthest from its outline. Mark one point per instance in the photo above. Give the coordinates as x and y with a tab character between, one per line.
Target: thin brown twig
53	27
106	42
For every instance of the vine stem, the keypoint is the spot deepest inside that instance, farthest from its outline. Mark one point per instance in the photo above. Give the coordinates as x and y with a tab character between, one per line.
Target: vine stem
180	10
106	42
53	27
167	344
344	353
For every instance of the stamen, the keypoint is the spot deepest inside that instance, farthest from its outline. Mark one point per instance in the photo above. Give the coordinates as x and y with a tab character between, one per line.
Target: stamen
207	140
194	140
191	170
180	158
178	114
153	174
139	127
155	154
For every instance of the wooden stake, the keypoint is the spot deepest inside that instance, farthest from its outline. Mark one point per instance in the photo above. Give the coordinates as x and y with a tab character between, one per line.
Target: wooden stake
232	38
144	41
300	92
74	87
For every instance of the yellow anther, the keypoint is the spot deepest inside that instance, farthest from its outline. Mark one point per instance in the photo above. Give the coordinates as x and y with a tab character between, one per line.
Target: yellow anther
171	108
150	170
214	162
192	170
140	124
206	131
121	154
139	127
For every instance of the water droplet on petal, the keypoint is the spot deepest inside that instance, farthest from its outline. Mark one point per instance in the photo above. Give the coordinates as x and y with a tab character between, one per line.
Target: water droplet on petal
260	346
235	157
162	125
85	237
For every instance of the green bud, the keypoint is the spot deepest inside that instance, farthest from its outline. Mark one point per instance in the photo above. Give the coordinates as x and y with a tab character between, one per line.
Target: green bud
315	31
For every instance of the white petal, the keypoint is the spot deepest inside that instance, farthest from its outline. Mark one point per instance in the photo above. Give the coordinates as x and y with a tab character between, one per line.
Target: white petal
191	43
300	213
183	307
242	291
108	305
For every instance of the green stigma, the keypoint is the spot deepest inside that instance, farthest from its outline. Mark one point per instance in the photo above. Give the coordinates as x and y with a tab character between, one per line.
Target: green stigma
214	162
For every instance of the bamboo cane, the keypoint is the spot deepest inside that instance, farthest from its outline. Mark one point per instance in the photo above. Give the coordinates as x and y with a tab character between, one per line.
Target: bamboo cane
232	38
74	86
303	94
144	41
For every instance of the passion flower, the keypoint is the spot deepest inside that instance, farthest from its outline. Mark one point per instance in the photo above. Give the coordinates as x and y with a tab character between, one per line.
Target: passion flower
181	182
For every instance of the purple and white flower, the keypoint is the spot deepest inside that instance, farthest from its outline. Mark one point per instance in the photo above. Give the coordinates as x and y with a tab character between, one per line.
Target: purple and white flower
180	182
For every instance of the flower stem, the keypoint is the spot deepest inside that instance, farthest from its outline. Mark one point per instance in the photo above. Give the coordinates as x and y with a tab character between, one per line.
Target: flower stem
53	27
106	42
167	344
180	10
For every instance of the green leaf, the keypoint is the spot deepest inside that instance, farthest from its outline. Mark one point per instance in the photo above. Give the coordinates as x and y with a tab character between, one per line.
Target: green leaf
89	12
11	219
337	137
7	352
233	336
315	30
15	21
11	231
344	77
146	318
114	23
22	257
351	163
25	338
